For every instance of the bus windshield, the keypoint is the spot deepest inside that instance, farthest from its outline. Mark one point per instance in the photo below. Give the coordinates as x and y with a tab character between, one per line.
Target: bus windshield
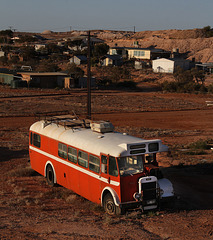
130	165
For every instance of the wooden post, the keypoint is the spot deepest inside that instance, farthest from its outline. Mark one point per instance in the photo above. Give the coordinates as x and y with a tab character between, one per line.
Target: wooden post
88	79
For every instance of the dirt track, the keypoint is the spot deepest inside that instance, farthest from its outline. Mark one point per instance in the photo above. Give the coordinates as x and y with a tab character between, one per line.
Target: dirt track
30	209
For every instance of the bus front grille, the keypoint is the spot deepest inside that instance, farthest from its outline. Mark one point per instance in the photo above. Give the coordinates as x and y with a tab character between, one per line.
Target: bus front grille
149	190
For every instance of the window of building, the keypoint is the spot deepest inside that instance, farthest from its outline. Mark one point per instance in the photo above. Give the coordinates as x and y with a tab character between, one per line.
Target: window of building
83	159
94	163
36	140
62	150
114	52
113	170
142	53
138	53
72	154
135	53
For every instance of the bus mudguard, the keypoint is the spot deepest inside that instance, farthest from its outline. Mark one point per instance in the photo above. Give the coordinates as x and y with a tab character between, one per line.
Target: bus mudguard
113	193
45	174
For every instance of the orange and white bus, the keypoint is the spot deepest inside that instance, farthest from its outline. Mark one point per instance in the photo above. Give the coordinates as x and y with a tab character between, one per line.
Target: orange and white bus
103	166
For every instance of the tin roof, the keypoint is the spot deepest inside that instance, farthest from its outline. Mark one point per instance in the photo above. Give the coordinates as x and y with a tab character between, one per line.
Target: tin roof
43	73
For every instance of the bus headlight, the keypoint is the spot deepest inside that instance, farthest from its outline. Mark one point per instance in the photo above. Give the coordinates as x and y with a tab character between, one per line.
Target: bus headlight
137	196
161	192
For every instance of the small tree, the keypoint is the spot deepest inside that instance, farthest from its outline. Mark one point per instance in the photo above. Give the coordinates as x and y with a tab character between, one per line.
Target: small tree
14	60
7	32
182	76
47	66
75	71
26	38
99	51
75	43
52	48
3	60
208	31
199	75
28	53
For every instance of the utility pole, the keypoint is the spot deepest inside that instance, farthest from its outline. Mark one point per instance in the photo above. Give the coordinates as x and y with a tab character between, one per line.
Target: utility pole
88	77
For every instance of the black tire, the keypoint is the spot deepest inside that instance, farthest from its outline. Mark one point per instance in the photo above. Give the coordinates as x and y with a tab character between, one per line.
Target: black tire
109	205
50	176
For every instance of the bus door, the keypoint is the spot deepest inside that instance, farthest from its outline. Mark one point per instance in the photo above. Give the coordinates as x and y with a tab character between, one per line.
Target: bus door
104	176
109	173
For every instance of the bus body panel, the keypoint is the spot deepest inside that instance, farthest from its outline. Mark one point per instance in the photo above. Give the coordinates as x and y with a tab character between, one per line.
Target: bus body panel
72	176
129	185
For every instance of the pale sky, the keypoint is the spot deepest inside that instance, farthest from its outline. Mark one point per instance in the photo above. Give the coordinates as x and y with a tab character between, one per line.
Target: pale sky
63	15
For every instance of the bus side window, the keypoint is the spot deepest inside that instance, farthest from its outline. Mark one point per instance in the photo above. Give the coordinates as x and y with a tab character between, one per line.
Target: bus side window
31	138
62	150
72	154
36	140
83	159
94	163
104	164
113	171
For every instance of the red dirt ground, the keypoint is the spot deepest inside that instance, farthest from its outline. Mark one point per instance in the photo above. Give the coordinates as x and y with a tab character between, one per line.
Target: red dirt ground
30	209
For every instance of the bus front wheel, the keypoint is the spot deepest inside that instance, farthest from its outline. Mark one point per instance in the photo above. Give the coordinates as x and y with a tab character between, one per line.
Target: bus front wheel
109	205
50	175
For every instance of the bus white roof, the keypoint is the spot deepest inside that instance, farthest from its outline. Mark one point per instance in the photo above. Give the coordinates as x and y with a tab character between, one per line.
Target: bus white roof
112	143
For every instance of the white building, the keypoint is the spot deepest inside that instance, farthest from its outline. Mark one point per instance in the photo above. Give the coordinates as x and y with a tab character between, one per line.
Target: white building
78	59
164	65
40	46
2	54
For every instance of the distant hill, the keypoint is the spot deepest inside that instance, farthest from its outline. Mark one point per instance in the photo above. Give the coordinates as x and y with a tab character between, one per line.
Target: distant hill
192	41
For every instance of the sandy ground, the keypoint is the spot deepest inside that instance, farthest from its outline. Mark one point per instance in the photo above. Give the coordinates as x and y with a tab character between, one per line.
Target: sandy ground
30	209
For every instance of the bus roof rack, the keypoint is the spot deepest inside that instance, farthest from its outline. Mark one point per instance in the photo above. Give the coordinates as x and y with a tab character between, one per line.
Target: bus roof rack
67	121
44	115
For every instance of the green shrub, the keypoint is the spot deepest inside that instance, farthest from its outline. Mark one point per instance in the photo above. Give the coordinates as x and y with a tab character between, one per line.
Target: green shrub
199	145
210	88
169	86
127	84
22	172
184	87
197	152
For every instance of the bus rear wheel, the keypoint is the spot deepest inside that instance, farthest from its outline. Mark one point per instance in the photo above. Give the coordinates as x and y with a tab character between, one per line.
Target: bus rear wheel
50	176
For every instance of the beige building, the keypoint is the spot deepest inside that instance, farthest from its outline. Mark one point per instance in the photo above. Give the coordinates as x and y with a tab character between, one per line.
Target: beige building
139	53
